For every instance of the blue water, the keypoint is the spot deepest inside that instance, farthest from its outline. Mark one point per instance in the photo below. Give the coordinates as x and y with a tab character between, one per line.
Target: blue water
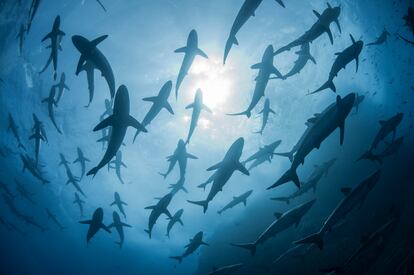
142	37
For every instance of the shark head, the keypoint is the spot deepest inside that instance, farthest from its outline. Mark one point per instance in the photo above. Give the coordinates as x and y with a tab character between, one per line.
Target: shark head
273	145
119	155
192	39
267	104
306	206
198	237
180	145
268	55
116	217
166	89
180	212
165	201
82	44
397	118
116	196
372	180
235	150
121	104
98	215
248	193
56	23
198	99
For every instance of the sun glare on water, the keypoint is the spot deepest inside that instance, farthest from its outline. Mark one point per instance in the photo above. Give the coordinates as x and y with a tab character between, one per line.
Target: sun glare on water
213	79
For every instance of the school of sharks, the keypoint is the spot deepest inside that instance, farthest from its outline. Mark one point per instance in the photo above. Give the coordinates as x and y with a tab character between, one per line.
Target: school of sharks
301	168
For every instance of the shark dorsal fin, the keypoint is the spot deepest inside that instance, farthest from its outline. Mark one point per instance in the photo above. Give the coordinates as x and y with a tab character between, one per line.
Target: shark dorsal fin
329	5
346	190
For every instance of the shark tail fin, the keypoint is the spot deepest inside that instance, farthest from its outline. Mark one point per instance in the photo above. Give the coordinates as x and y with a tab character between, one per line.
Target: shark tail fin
289	175
245	113
370	156
259	132
326	85
204	204
230	41
282	199
20	145
164	175
93	171
148	232
249	246
315	238
287	154
178	258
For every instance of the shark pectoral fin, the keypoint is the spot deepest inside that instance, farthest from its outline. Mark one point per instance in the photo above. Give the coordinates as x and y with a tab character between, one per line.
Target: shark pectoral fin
151	98
62	33
312	59
168	213
181	50
86	222
256	66
190	106
242	169
352	38
272	111
79	67
104	227
104	123
357	63
150	207
317	14
214	167
190	156
204	243
134	123
276	72
338	25
280	2
207	109
98	40
49	35
111	225
201	53
126	225
168	107
328	31
341	132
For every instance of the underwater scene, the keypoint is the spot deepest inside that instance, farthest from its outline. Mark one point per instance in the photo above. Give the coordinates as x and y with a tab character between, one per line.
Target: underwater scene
206	137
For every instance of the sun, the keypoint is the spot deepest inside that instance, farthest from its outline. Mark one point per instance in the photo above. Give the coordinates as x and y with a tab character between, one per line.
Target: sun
213	79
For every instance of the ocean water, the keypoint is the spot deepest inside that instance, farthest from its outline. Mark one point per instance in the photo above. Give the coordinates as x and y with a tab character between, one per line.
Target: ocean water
142	38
